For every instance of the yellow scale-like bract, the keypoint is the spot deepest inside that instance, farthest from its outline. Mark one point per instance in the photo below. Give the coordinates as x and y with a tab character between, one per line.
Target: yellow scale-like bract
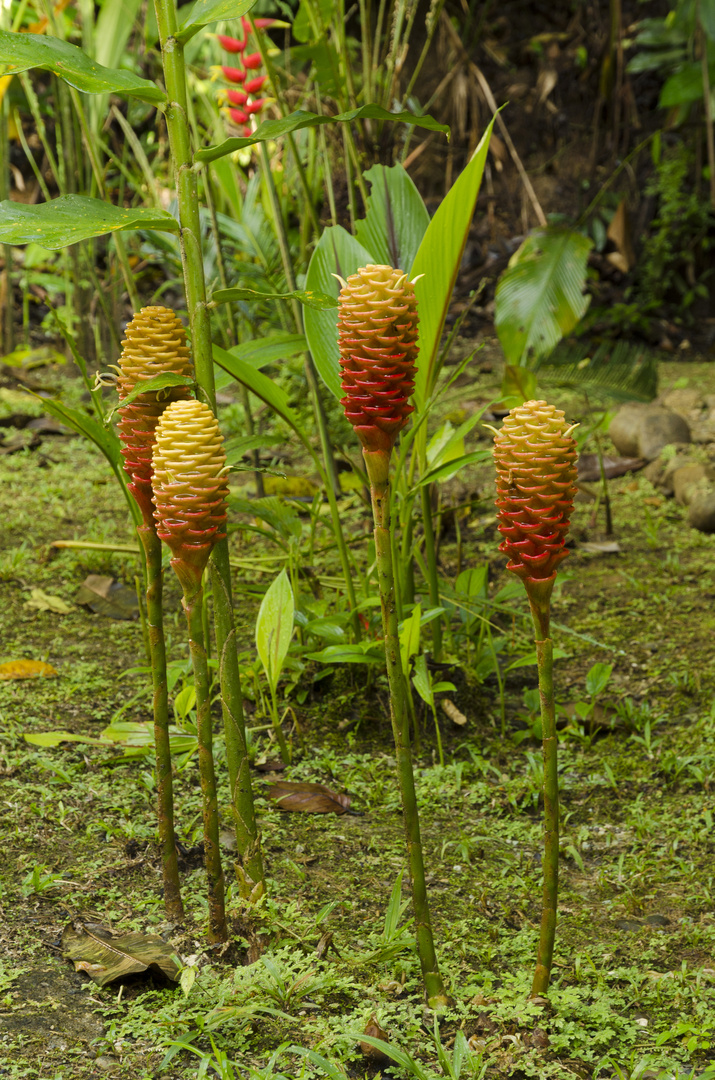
190	485
535	458
155	344
377	339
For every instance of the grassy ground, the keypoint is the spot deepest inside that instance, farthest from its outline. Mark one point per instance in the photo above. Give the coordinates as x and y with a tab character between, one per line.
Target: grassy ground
634	982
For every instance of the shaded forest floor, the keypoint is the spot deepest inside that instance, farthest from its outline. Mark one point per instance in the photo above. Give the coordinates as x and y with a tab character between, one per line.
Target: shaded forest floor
634	977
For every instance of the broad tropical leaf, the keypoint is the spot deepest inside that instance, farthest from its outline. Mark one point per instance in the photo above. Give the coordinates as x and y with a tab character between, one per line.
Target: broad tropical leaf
540	296
274	627
438	259
260	385
304	296
204	12
336	253
71	218
20	52
396	218
270	130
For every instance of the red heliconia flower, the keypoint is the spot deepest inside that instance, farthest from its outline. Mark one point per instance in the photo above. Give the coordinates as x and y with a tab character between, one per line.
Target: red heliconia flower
252	86
190	482
237	97
535	458
234	75
377	339
255	106
231	44
155	344
261	24
247	132
238	116
252	61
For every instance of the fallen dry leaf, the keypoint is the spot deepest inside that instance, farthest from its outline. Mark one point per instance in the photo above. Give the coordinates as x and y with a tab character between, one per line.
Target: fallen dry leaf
307	798
453	712
26	669
619	233
105	596
106	956
43	601
373	1053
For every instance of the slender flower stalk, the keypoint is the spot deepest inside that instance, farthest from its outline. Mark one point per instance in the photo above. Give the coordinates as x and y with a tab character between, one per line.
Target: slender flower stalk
377	336
190	496
535	459
250	872
155	344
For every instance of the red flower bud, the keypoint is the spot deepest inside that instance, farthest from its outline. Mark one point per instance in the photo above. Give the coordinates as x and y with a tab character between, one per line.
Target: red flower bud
252	61
252	86
247	132
535	458
255	106
238	116
231	44
377	339
261	24
237	97
234	75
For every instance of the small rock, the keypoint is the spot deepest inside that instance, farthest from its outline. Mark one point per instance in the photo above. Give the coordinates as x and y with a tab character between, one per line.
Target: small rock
689	480
540	1038
701	512
629	925
107	1063
657	920
639	430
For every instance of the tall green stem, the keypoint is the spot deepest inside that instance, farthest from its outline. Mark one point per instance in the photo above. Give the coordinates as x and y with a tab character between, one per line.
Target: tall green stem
432	577
192	261
378	466
193	606
539	599
164	787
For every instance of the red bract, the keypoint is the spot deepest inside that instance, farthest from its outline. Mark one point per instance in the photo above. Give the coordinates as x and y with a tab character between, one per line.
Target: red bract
255	106
261	24
535	458
231	44
252	61
234	75
238	116
237	97
247	132
377	338
252	86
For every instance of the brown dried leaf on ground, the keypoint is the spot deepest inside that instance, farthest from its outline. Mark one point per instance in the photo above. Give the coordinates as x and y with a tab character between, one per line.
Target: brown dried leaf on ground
106	956
105	596
307	798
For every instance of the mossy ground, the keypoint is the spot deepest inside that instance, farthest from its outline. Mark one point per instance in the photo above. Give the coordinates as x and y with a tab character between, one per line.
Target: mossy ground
634	977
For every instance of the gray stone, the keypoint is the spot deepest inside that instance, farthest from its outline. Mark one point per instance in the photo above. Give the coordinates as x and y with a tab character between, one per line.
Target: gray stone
701	512
690	480
640	430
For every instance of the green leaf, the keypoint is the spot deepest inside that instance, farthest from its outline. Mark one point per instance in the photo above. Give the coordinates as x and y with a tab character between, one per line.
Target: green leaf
349	654
396	218
270	130
410	636
540	295
72	218
706	11
452	467
106	439
153	386
337	252
274	627
54	738
412	1067
20	52
262	351
438	259
422	680
260	385
305	296
597	679
685	86
205	12
617	370
530	659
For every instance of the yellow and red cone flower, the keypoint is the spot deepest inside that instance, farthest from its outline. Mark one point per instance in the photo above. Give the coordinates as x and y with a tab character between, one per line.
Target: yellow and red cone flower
377	339
190	485
535	459
155	344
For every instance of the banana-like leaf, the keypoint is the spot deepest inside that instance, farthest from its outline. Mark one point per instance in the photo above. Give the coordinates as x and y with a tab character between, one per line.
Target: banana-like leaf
617	370
270	130
396	218
337	252
274	627
438	260
262	351
305	296
20	52
204	12
71	218
540	297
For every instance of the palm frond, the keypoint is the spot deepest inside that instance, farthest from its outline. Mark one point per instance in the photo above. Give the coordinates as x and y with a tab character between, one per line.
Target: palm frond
620	371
